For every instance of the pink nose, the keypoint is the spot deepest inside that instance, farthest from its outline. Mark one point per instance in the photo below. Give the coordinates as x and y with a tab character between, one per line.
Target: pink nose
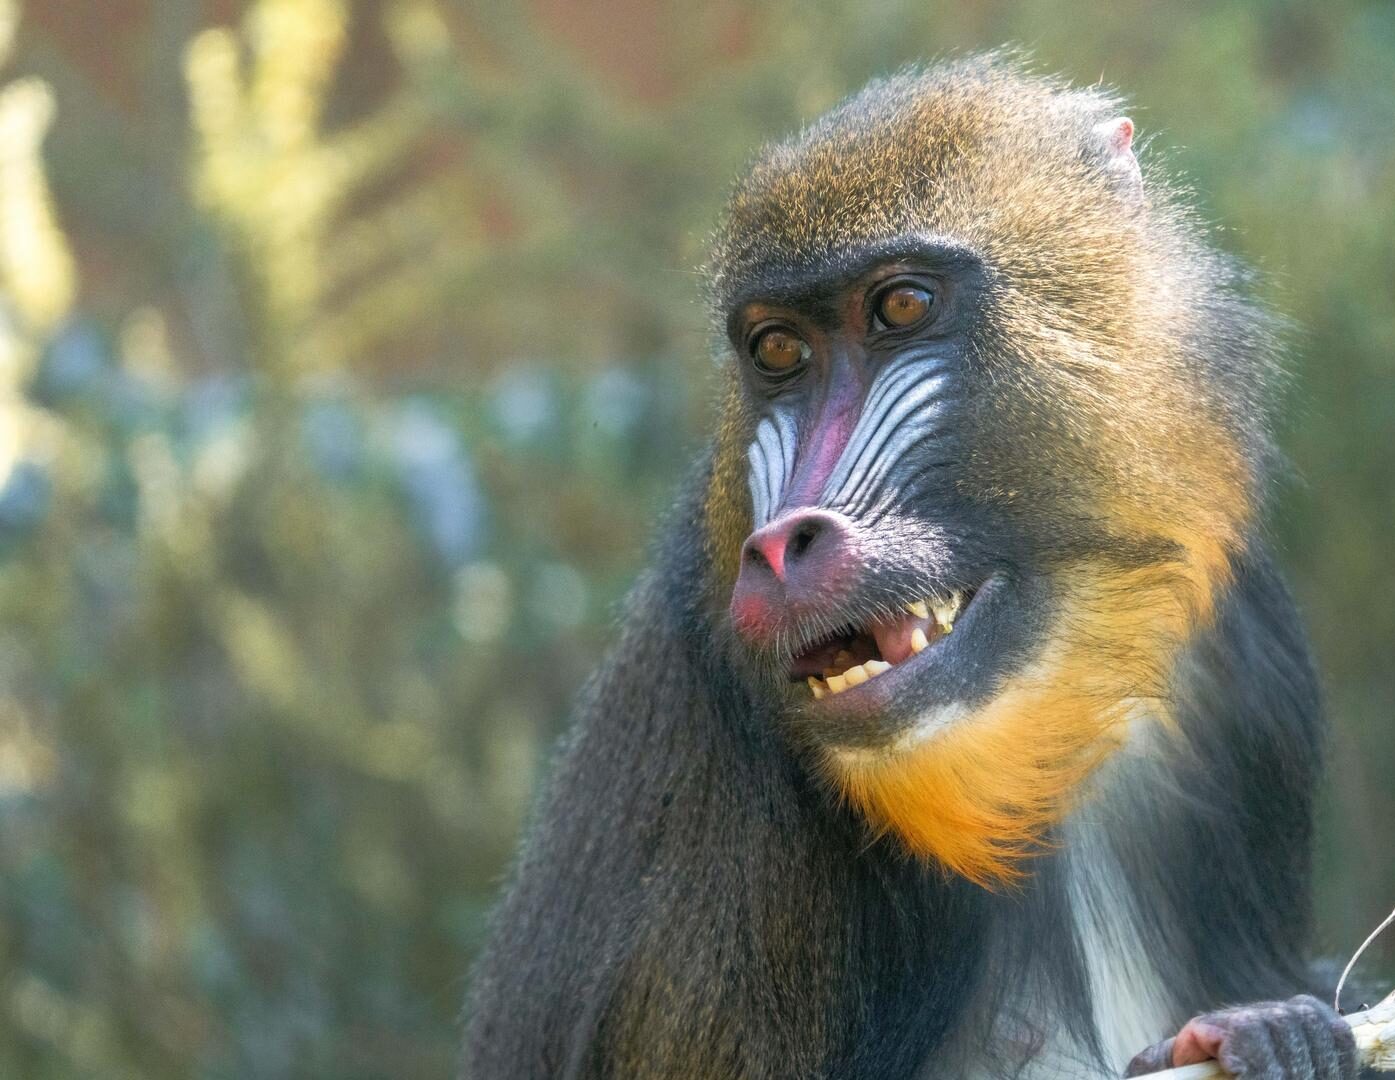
787	543
792	563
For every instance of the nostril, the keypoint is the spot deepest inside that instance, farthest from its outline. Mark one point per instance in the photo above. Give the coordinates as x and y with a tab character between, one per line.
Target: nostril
801	558
803	538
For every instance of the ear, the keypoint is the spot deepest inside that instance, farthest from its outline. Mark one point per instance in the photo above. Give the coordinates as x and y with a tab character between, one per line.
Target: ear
1113	142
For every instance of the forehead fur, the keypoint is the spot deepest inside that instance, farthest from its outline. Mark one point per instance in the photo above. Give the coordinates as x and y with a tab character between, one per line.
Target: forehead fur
956	151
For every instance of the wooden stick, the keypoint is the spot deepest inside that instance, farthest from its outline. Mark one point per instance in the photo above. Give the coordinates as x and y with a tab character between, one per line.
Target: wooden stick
1375	1046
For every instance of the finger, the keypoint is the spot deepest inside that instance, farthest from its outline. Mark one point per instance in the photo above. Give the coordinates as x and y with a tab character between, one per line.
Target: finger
1248	1052
1156	1058
1291	1033
1331	1044
1200	1039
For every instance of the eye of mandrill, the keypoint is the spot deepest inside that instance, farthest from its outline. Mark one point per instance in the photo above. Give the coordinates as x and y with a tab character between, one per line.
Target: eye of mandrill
777	350
904	304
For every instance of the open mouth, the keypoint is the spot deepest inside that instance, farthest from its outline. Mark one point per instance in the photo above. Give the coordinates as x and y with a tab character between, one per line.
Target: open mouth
857	654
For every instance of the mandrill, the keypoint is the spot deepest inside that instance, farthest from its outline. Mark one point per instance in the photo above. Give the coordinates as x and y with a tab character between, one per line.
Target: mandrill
962	725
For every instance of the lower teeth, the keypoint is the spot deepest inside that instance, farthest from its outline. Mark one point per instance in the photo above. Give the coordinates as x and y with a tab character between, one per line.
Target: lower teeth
845	674
837	682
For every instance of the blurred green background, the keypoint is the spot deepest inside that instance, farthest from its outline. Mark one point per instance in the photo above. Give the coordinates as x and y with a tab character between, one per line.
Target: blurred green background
349	350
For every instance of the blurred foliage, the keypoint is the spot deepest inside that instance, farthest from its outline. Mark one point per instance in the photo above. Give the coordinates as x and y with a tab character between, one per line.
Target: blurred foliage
347	352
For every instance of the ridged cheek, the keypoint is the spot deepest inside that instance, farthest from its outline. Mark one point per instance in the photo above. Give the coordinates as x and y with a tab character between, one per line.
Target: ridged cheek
770	464
843	455
903	420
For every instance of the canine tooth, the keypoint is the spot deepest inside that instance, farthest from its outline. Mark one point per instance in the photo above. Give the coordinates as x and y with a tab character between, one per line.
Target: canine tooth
843	658
919	609
837	684
946	613
817	686
876	667
856	675
918	640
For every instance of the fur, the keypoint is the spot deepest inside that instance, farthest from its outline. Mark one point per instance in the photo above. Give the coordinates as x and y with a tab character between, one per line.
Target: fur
705	893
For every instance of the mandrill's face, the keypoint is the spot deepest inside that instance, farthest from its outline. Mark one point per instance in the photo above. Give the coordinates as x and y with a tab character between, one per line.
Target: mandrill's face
889	600
975	482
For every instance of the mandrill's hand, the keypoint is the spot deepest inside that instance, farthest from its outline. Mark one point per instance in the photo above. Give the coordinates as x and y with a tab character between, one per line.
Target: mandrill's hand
1296	1039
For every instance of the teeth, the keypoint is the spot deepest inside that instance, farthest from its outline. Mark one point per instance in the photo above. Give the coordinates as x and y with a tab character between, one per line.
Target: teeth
943	611
844	674
947	612
854	676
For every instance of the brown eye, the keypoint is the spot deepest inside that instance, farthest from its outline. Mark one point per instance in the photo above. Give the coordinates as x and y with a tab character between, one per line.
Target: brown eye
904	305
778	350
